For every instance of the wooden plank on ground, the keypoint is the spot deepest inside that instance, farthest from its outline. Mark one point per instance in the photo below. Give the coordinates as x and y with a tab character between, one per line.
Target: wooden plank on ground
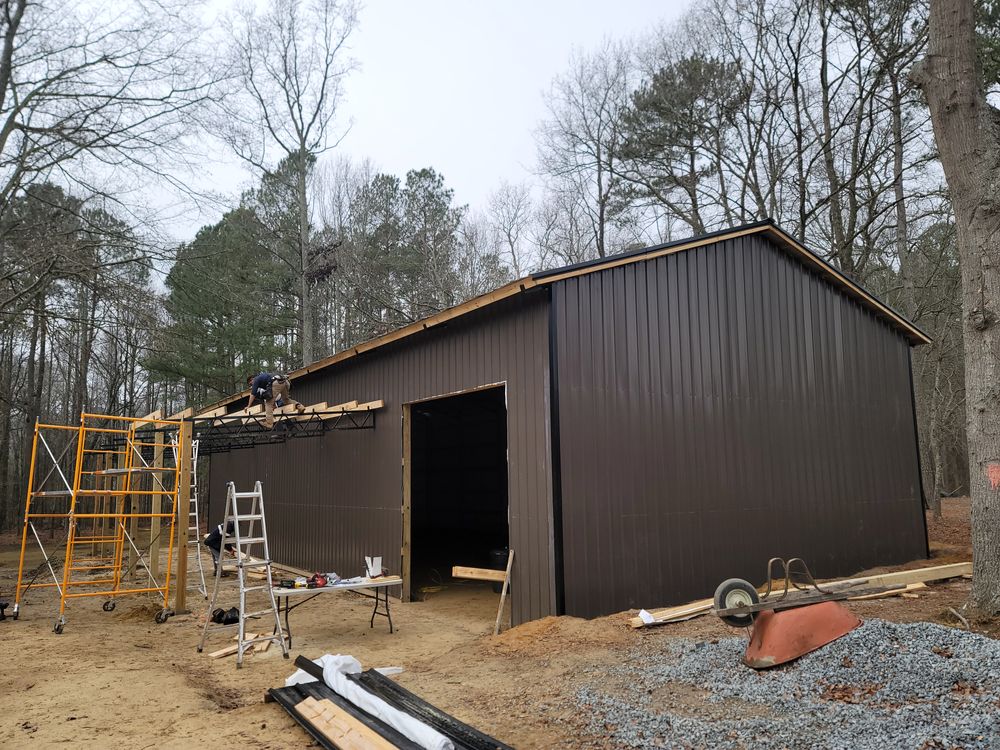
918	575
338	726
478	574
230	650
910	587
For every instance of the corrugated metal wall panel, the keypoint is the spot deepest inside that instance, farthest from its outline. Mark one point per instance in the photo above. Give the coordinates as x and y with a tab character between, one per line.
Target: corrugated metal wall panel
333	499
718	407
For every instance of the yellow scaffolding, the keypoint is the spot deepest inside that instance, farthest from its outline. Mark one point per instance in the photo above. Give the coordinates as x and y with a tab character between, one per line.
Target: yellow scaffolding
107	472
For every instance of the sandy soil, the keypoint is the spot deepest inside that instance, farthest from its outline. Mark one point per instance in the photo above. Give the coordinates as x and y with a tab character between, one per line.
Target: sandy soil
117	680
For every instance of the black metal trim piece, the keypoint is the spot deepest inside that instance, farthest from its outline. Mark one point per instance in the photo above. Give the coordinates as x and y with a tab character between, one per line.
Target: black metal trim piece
598	262
555	459
916	444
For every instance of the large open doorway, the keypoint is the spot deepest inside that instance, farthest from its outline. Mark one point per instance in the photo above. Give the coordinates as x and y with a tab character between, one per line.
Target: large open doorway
455	485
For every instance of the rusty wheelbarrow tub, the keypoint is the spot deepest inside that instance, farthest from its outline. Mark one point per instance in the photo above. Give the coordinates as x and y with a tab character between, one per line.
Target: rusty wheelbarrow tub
801	618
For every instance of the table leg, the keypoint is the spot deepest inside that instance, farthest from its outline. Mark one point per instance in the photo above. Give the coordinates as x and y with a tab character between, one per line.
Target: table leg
386	614
288	628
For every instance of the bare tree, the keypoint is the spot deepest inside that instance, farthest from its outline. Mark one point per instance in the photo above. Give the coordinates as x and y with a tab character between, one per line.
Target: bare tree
88	89
291	62
967	131
510	214
579	142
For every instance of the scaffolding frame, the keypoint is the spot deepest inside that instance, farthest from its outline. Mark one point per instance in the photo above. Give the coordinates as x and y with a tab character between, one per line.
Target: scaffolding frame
101	507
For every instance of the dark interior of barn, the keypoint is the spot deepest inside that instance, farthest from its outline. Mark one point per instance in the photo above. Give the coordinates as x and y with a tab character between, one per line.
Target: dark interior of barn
458	485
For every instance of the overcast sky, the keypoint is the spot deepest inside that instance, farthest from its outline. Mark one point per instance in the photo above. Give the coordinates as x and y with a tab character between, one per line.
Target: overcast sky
458	84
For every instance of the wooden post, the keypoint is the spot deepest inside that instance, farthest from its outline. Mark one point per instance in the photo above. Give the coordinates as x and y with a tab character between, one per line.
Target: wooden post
183	508
407	492
159	482
503	594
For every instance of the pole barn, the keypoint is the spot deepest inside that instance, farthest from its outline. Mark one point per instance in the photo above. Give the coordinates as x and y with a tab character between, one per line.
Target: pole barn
637	428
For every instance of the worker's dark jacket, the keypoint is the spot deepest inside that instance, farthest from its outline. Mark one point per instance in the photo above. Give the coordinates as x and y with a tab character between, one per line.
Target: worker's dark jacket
214	538
261	386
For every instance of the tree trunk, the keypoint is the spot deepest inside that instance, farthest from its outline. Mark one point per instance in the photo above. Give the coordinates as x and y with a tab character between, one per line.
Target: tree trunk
306	333
967	132
841	248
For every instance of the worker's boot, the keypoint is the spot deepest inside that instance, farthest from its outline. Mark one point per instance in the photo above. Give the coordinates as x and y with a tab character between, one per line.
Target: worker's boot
268	424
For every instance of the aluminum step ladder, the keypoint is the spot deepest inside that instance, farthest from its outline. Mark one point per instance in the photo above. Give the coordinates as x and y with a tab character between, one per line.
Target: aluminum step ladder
244	527
194	520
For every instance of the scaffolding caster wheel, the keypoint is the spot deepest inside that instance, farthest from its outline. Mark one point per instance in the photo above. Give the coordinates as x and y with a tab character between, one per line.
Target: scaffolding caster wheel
735	592
162	615
108	606
58	627
14	614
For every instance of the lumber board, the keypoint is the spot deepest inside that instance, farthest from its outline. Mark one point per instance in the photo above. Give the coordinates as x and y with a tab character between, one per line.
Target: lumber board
675	614
345	405
910	587
368	406
149	418
220	412
230	650
340	727
310	411
918	575
907	577
503	592
478	574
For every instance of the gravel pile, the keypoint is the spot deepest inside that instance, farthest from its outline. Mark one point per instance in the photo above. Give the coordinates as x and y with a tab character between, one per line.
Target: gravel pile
882	686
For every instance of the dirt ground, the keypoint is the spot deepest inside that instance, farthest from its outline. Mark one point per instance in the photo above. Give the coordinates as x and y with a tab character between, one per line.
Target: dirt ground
117	680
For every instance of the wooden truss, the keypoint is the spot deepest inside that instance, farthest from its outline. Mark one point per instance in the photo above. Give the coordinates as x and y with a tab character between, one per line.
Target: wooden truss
217	431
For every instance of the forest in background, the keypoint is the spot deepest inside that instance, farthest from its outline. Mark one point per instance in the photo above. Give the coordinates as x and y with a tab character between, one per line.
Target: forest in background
801	112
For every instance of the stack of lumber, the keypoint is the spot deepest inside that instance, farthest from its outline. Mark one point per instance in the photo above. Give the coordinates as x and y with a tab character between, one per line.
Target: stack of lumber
230	650
912	580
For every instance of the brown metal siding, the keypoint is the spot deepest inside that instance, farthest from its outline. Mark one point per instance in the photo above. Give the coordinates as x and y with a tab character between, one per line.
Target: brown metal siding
718	407
334	499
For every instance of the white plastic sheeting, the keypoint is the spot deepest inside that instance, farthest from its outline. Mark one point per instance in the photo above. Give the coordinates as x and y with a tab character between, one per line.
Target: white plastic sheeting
335	669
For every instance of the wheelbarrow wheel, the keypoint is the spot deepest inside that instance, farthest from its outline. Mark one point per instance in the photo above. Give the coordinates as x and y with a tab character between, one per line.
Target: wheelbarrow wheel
735	592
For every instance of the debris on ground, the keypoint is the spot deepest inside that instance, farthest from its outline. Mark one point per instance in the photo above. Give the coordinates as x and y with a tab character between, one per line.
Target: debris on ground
884	685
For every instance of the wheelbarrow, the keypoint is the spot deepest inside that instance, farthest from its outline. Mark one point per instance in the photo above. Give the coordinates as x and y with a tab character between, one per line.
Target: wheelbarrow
803	617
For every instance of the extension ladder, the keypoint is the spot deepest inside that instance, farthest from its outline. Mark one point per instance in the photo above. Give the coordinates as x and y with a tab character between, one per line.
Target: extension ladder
194	520
245	528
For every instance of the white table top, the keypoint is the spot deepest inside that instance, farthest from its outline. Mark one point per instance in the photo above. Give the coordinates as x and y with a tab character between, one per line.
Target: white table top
368	583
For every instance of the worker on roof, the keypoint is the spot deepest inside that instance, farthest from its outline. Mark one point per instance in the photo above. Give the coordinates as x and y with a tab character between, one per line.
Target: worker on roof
271	388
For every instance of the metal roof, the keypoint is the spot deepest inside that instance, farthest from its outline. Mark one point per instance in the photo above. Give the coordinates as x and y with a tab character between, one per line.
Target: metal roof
766	228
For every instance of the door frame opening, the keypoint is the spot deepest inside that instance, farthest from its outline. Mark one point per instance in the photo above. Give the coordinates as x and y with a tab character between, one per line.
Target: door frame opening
407	463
